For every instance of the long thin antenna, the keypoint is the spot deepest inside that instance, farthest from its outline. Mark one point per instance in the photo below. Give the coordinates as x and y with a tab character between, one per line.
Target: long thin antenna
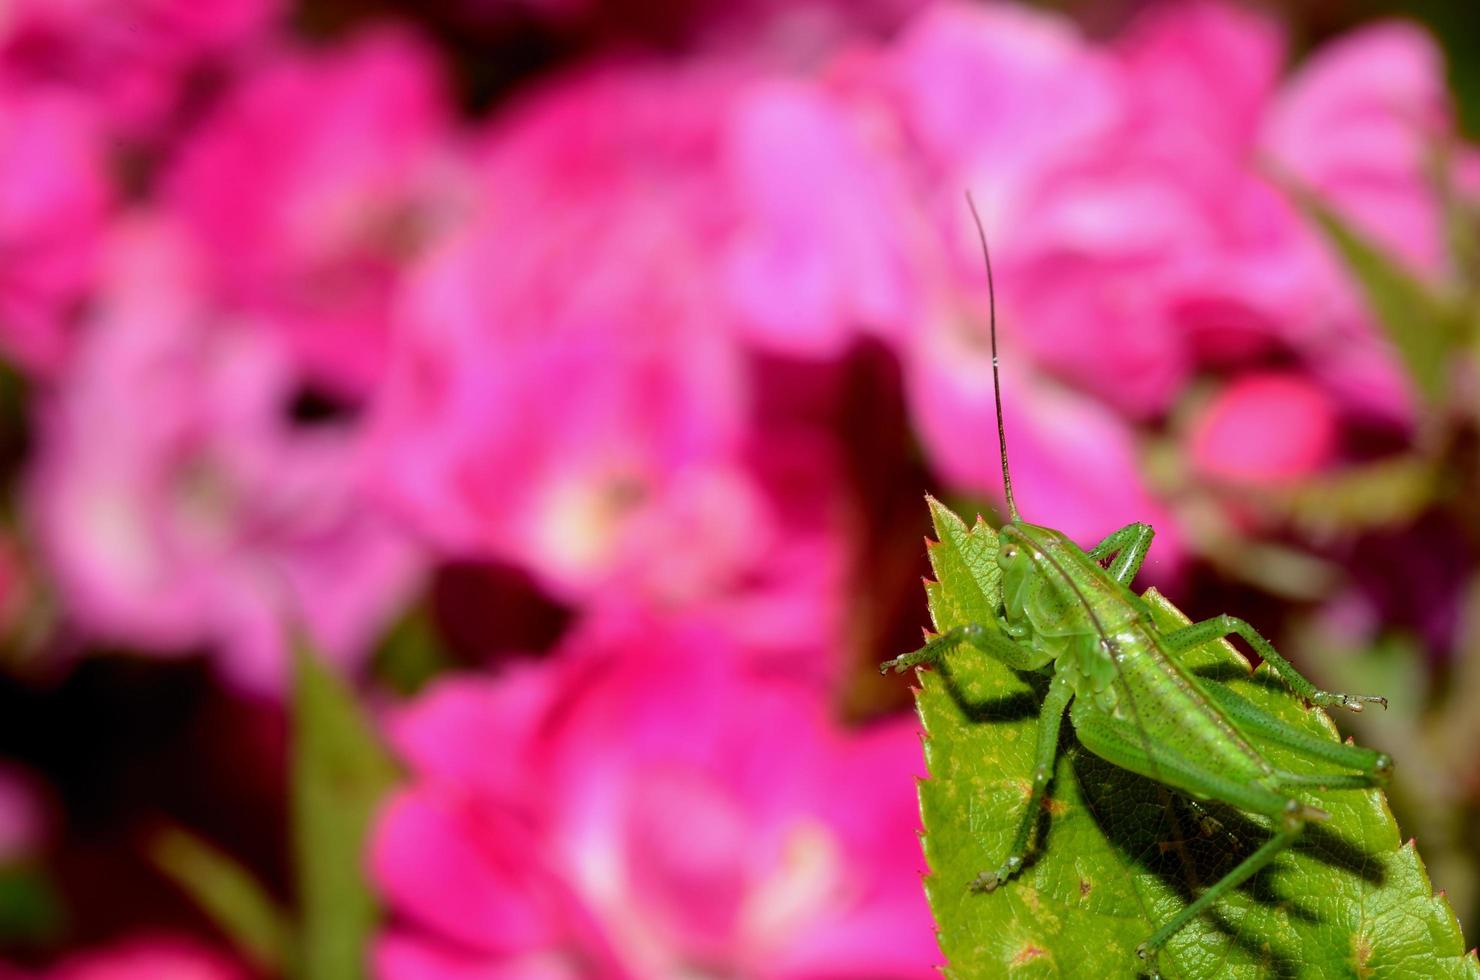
996	380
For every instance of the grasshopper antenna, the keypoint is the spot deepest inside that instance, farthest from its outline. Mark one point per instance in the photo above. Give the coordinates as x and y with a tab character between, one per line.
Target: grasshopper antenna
996	380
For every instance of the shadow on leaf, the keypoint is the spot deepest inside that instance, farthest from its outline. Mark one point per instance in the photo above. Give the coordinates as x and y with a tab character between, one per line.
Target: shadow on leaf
1016	706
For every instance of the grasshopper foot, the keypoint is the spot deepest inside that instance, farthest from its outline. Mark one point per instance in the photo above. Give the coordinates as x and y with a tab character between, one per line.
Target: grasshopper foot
903	663
989	881
932	651
1351	702
1147	956
1382	769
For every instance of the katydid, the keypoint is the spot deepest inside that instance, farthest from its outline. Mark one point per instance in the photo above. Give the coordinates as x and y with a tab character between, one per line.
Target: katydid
1072	614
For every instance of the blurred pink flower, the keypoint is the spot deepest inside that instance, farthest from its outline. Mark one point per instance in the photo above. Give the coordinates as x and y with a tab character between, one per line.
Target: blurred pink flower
1202	72
54	198
23	817
1156	241
566	392
148	958
177	504
1265	428
314	183
1361	124
1074	461
1140	241
1015	106
134	59
993	92
652	808
784	29
824	245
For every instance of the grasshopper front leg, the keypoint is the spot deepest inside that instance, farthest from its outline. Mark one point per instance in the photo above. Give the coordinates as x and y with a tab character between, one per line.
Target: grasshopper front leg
1218	627
1050	718
1129	545
1018	656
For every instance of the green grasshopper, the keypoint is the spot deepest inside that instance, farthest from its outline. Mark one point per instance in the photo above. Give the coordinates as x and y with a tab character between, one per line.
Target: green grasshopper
1072	614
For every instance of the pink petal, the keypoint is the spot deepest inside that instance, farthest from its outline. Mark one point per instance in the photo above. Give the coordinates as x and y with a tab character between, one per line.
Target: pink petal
471	874
1265	428
1358	125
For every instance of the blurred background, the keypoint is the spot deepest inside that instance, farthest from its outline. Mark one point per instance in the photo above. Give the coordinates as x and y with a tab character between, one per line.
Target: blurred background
463	460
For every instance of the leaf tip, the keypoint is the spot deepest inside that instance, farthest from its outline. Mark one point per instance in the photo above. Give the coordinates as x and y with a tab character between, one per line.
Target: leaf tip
943	517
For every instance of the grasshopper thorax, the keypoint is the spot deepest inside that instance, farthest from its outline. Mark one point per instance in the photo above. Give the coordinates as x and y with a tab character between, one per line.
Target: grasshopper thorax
1050	587
1015	558
1058	600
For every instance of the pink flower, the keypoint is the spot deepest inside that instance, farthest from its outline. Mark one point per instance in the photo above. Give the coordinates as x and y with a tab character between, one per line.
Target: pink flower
54	198
133	58
1205	70
823	251
23	817
1361	124
148	958
1143	264
1014	106
1074	462
652	808
991	93
314	183
176	503
1265	428
1141	241
566	393
781	28
1155	242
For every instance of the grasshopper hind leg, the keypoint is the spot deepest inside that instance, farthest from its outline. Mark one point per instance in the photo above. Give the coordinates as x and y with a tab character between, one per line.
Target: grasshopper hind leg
1220	626
1118	743
1250	866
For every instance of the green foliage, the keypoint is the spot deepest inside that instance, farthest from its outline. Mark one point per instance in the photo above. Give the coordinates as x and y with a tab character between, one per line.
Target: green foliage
1390	492
1421	325
230	895
340	772
30	908
411	654
1118	854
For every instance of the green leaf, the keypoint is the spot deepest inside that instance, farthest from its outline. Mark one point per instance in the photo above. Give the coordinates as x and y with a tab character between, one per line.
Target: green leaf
1422	325
411	654
340	772
229	894
1385	493
31	912
1117	854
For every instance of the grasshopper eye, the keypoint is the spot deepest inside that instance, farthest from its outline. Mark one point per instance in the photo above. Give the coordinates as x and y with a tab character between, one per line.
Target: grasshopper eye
1010	552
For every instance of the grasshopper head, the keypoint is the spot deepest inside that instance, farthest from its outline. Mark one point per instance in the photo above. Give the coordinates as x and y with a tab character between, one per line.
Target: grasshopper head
1024	551
1015	551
